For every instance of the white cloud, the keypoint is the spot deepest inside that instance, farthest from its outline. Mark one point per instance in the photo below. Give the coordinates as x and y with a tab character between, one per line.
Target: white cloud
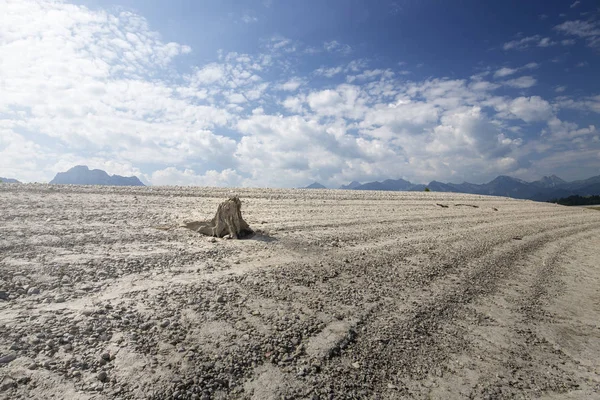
587	104
174	177
209	74
575	4
84	86
521	43
589	30
371	74
535	40
529	109
334	46
522	82
504	71
328	72
292	84
562	130
546	42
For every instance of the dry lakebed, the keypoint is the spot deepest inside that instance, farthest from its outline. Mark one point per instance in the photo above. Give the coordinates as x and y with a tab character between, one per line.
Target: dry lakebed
339	295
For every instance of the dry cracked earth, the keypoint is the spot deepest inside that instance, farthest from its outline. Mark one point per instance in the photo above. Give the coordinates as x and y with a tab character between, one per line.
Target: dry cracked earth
340	295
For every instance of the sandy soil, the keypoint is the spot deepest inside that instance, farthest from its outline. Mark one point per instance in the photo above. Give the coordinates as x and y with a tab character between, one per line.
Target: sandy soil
342	294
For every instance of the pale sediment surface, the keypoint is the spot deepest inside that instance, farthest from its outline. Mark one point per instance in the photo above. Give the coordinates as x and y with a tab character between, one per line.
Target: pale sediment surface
342	294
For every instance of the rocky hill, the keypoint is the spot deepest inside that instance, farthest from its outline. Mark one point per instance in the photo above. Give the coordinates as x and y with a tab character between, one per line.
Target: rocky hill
82	175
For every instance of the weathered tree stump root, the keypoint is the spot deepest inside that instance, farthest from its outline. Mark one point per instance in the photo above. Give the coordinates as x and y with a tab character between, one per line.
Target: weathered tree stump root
227	221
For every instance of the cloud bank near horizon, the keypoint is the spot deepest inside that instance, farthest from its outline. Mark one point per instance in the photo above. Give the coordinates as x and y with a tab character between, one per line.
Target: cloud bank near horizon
102	88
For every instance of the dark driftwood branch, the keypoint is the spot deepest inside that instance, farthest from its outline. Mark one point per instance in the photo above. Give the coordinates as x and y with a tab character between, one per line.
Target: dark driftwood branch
466	205
227	221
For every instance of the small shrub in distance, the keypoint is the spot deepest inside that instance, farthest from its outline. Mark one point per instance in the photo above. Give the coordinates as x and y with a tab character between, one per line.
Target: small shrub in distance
427	189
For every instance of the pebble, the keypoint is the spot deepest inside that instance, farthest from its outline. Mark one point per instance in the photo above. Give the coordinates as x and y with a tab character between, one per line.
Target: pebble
165	323
33	290
106	356
8	358
7	383
356	365
102	376
59	299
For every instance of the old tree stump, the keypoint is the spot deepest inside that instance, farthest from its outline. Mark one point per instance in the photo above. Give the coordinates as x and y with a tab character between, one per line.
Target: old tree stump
227	221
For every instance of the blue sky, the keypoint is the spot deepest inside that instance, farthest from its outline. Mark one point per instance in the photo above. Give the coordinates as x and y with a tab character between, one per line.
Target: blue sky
283	93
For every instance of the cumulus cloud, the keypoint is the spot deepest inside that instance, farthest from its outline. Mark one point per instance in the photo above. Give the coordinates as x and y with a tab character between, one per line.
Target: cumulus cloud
529	109
522	82
172	176
504	71
292	84
84	86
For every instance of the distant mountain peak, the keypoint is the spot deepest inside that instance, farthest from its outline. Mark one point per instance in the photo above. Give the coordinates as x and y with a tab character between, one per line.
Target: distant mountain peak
8	180
315	185
547	188
549	182
82	175
351	185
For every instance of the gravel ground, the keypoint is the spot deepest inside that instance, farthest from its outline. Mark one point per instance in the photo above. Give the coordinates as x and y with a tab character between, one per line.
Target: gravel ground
341	294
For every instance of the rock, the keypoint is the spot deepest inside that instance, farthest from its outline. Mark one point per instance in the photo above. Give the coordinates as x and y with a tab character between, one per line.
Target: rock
165	323
102	376
105	356
33	290
59	299
32	366
8	358
3	295
7	383
355	365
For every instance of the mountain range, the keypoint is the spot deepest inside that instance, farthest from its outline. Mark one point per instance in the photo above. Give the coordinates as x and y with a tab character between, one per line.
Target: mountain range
82	175
8	180
547	188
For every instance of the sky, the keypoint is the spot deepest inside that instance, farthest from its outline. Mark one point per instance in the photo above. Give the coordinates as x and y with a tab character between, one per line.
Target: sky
282	93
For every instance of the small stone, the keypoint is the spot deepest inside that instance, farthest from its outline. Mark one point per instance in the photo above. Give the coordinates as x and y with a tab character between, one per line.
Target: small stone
356	365
146	326
7	383
3	295
8	358
23	380
32	366
165	323
392	386
59	299
220	299
102	376
106	356
33	290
